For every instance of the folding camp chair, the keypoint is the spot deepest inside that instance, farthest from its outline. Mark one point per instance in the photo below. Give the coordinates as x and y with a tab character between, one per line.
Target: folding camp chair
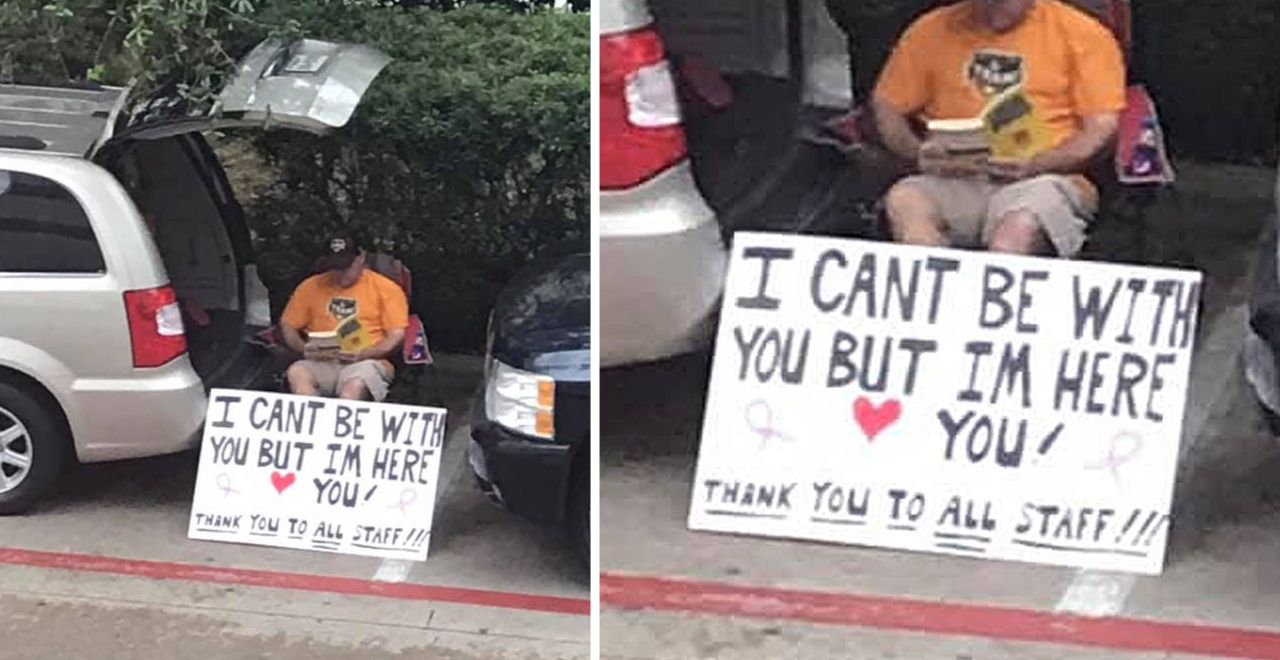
416	382
1128	177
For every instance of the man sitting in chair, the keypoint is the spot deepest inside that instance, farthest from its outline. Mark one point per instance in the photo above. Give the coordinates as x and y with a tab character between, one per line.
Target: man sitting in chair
951	64
345	293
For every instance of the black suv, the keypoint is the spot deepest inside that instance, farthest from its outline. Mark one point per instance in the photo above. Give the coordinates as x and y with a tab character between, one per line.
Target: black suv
531	432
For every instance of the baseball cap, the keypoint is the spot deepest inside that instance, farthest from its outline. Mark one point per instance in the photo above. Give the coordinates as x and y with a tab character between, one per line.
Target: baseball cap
339	253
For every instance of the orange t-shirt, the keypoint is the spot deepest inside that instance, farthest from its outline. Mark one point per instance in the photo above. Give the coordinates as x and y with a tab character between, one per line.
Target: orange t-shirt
318	305
947	67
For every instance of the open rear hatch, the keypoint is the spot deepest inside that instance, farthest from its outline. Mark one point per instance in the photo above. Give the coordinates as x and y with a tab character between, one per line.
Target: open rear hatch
306	85
755	79
61	120
183	192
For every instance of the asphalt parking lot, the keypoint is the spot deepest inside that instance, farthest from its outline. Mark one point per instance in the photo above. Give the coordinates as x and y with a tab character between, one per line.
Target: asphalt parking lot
109	561
667	592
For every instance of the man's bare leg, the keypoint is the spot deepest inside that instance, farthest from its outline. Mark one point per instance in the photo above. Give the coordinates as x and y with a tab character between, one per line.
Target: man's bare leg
1019	232
301	380
914	216
354	389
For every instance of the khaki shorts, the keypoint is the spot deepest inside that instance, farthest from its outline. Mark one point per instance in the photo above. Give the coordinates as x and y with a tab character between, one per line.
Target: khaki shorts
971	208
330	375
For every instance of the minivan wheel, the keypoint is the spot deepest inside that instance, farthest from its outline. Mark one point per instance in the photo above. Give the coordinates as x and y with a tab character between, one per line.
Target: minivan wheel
32	449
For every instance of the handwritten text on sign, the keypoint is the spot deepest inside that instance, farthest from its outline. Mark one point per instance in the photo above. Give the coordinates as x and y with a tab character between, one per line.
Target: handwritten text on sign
318	474
967	403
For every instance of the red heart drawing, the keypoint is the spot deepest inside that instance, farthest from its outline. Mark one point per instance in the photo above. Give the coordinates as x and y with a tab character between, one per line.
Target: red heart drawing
875	418
282	481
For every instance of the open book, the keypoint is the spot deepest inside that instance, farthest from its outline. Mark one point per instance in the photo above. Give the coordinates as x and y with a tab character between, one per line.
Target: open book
1006	128
325	344
349	337
352	336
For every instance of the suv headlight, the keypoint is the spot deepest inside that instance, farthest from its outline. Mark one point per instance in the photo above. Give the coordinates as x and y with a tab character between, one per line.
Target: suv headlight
520	400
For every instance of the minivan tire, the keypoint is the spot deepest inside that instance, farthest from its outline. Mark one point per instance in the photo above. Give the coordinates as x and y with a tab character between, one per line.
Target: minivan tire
48	440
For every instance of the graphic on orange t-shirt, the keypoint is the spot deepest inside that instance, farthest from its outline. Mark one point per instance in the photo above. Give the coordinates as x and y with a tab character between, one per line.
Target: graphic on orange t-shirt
374	301
1066	64
993	71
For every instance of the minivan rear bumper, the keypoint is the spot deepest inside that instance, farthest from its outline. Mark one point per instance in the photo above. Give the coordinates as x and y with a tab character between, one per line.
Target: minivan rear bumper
662	267
157	411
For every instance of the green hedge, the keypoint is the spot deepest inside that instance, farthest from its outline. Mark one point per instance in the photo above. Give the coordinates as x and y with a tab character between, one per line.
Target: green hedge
470	152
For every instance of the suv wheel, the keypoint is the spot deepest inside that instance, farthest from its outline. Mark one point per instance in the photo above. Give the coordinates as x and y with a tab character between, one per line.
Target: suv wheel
32	448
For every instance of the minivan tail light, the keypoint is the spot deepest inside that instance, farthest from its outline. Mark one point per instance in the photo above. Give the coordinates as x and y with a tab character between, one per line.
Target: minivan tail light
651	97
155	326
640	123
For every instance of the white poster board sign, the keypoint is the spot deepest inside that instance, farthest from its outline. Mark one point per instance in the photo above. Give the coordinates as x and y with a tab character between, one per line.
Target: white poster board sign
309	473
965	403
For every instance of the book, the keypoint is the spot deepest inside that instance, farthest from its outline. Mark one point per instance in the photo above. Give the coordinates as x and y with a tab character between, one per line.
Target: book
351	335
966	145
1013	130
1006	128
326	344
960	136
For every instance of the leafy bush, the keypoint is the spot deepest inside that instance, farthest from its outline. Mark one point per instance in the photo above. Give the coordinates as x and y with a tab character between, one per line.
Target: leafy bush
143	43
470	151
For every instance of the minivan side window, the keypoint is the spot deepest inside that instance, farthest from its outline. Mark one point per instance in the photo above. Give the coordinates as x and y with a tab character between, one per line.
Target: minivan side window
43	228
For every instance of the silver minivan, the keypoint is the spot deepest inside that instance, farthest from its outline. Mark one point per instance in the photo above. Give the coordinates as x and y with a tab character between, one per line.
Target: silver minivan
661	256
128	285
701	106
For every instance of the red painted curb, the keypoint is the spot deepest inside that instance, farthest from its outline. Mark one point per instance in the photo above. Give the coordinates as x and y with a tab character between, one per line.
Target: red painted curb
296	581
1006	623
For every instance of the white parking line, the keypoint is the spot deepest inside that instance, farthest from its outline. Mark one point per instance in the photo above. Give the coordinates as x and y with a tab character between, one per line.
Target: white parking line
454	460
1096	593
393	570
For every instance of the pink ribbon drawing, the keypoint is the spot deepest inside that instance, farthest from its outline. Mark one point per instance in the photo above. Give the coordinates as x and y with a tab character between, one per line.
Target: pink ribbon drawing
224	485
1116	456
407	497
759	417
